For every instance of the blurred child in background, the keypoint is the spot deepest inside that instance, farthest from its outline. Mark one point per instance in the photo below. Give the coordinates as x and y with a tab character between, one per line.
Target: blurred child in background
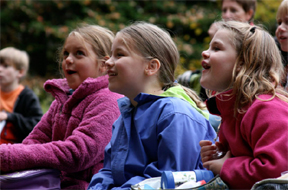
282	36
20	108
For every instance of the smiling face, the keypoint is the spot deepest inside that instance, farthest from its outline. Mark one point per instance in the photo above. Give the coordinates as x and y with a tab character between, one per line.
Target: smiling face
282	32
125	69
231	10
218	62
79	61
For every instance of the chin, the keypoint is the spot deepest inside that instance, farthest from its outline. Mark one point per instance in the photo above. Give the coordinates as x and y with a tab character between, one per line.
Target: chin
112	88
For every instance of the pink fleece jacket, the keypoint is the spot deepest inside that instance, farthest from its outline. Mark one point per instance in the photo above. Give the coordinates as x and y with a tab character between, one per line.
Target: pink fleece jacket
71	136
258	140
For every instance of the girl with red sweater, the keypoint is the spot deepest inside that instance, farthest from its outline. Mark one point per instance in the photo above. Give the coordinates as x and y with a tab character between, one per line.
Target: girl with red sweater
243	65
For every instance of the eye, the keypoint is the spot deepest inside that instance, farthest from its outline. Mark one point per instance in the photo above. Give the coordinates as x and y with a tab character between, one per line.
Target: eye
224	10
79	52
5	65
215	48
233	10
65	54
120	54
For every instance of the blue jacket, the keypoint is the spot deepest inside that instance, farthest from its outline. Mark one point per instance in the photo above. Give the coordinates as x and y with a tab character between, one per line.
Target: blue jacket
161	133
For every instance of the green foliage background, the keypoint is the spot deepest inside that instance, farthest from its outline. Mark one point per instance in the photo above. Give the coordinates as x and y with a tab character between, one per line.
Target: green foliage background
40	27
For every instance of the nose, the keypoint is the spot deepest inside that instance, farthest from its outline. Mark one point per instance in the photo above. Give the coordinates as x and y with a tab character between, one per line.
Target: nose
68	59
109	63
205	54
281	27
227	15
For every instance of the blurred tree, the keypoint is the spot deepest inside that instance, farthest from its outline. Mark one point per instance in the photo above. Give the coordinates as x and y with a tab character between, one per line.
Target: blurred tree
40	26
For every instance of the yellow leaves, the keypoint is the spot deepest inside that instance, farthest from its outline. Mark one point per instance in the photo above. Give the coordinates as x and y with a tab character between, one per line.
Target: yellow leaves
169	24
193	25
198	31
87	2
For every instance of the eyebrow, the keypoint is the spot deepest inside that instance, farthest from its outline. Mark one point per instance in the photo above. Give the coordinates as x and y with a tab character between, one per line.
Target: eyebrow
216	43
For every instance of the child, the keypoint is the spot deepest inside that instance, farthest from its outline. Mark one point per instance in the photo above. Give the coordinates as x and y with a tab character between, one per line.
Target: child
282	36
243	65
20	108
73	133
238	10
160	126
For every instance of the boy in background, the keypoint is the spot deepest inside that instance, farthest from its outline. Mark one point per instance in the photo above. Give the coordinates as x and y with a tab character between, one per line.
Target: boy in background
20	108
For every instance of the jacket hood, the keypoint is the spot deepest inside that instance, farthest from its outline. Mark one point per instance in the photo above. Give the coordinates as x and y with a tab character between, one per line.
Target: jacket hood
178	91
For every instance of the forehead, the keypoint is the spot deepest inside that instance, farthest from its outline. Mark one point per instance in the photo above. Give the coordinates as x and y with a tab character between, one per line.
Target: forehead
222	34
225	38
282	13
76	41
121	41
231	3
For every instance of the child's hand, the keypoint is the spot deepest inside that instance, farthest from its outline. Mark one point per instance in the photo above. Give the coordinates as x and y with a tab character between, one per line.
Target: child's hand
216	165
207	150
3	115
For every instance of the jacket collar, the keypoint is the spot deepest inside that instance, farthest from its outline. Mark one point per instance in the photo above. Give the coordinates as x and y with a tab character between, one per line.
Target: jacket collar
221	104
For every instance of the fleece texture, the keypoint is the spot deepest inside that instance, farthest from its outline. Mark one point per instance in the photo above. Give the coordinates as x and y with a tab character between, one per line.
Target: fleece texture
257	139
71	135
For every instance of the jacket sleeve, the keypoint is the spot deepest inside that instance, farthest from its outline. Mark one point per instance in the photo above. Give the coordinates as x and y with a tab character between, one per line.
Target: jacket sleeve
178	141
42	132
26	114
103	179
264	127
81	150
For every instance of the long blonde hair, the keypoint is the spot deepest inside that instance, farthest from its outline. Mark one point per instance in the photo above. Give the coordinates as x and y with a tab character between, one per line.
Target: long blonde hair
151	41
258	68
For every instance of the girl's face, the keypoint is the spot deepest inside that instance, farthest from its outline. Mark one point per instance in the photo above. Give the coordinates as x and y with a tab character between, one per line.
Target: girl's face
218	62
125	70
79	61
282	32
231	10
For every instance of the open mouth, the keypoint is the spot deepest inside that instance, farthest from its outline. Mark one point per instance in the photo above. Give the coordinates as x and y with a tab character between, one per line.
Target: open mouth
205	65
70	72
110	73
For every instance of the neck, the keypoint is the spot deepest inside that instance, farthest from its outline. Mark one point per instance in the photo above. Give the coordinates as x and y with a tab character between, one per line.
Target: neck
157	91
9	88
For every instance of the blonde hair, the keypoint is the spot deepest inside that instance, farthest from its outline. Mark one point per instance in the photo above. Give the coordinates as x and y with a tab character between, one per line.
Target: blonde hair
98	37
17	58
282	10
258	68
151	41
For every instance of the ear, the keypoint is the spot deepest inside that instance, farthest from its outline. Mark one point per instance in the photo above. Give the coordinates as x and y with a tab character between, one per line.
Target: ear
102	67
239	67
152	67
249	14
21	73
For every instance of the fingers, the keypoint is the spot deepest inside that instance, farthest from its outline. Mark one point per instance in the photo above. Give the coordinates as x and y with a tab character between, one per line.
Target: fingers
207	151
205	143
228	154
206	165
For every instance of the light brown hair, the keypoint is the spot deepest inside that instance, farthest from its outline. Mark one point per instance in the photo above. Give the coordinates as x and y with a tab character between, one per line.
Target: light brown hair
258	68
151	41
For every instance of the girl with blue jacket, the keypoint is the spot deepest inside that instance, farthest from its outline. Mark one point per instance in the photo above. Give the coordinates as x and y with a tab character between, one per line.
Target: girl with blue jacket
161	122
